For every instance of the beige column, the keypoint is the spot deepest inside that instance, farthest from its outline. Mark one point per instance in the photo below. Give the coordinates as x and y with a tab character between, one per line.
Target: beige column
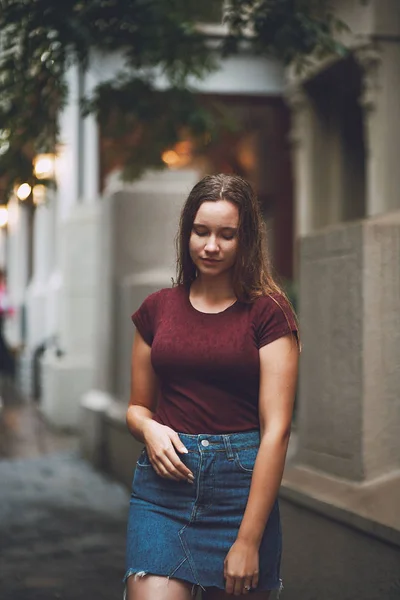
381	101
302	145
370	61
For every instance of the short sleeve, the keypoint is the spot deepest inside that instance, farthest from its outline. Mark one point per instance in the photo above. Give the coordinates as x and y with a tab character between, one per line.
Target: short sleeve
275	319
144	318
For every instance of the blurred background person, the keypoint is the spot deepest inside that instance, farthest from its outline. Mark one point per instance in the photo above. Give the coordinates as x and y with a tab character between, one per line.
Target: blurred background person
7	361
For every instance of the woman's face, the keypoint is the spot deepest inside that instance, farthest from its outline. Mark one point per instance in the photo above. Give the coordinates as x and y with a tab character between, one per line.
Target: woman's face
214	238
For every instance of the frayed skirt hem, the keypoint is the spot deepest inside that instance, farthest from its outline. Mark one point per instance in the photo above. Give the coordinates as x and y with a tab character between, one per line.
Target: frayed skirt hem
195	585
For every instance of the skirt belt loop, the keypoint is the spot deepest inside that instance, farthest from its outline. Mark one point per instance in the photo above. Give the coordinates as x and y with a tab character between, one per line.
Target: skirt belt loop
228	446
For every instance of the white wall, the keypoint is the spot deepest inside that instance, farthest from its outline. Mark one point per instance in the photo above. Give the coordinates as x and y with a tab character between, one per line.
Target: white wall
244	73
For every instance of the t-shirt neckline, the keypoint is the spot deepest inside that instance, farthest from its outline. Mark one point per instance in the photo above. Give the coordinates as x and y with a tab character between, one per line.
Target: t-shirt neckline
200	312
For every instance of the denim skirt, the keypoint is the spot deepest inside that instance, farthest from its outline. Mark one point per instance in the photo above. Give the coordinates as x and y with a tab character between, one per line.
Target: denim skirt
184	531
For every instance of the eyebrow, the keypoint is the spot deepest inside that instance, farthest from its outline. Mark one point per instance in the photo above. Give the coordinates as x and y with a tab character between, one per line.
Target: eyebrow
233	229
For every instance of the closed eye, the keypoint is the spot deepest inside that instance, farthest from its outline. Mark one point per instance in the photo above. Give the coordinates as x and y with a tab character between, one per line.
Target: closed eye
228	234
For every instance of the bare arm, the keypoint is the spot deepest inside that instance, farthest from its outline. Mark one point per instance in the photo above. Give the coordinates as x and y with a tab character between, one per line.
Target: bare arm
162	442
278	376
144	389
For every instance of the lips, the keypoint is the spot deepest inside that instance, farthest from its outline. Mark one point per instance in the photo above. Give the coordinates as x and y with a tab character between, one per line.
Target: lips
210	260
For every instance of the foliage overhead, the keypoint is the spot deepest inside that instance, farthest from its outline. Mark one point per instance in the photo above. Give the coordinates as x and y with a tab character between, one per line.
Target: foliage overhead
40	40
291	30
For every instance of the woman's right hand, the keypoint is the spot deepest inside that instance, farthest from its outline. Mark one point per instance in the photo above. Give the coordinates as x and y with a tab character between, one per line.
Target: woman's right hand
162	445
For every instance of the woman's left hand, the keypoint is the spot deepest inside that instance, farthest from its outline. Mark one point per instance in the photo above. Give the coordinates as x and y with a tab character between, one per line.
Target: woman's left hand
241	568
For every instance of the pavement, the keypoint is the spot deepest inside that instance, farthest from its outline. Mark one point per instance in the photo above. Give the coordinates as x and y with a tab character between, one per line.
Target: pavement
62	524
62	528
23	431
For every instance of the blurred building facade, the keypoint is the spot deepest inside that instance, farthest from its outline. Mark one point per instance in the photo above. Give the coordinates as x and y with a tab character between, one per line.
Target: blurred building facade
100	246
346	144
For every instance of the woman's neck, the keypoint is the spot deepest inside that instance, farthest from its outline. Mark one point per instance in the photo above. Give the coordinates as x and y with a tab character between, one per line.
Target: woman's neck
213	289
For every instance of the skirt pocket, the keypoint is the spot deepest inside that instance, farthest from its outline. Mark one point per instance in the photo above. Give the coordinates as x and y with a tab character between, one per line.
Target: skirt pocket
143	460
245	459
161	491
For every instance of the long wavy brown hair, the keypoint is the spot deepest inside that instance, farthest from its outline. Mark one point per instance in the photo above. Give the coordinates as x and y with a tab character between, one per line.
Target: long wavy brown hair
252	275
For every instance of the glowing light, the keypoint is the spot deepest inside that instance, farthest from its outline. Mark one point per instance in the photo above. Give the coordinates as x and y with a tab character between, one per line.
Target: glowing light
170	157
43	165
3	216
39	194
183	148
24	191
178	156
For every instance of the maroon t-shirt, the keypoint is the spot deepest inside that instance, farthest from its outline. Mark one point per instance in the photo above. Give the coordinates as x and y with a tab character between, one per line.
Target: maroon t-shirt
208	364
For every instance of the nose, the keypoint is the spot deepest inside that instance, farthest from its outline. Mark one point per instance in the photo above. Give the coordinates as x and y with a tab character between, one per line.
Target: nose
211	245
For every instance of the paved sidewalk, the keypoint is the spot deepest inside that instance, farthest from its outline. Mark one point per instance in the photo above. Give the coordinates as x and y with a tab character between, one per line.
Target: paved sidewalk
62	524
23	431
62	530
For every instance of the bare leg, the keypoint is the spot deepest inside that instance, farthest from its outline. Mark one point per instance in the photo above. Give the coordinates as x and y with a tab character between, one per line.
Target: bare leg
216	594
153	587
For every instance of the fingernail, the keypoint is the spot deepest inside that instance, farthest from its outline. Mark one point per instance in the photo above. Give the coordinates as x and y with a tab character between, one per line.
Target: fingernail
190	481
184	450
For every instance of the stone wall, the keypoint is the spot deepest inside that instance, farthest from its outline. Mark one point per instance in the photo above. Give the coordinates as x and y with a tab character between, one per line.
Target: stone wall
349	403
331	374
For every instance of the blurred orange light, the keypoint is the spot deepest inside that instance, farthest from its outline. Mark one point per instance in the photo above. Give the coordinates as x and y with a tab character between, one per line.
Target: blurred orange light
184	147
178	156
170	157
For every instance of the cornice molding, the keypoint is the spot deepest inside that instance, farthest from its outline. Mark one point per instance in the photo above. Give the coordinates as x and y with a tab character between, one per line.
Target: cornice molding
370	60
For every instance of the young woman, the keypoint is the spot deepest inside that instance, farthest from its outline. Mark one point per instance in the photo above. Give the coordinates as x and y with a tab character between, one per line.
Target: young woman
214	367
